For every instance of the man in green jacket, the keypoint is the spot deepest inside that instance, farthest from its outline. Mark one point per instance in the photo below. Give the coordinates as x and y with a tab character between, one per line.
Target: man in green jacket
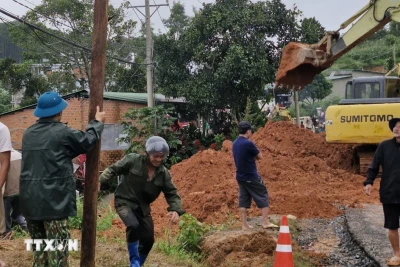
144	178
47	185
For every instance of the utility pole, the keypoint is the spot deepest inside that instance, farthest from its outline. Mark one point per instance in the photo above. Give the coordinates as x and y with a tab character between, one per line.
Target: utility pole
149	49
149	58
296	106
99	41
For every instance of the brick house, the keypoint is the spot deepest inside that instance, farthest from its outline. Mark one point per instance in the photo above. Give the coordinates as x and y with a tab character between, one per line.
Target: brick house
115	104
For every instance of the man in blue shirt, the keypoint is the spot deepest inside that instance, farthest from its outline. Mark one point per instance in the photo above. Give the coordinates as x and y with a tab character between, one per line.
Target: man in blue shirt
251	186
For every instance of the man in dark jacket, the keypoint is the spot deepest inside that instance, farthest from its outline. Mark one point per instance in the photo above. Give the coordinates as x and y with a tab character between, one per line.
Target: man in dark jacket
387	155
47	186
144	178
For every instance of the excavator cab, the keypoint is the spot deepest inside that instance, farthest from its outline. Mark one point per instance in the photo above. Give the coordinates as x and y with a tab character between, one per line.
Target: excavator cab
371	89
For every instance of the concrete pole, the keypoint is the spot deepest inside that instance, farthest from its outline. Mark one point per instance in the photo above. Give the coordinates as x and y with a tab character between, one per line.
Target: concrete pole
296	105
99	41
149	57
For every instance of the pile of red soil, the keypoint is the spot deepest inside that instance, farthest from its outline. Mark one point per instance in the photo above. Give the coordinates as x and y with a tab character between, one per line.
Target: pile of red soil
238	248
305	177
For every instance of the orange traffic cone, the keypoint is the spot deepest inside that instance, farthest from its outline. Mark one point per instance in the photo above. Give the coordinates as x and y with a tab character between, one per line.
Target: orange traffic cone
283	254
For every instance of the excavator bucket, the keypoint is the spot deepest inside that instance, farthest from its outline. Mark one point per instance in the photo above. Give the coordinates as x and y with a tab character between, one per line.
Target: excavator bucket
300	63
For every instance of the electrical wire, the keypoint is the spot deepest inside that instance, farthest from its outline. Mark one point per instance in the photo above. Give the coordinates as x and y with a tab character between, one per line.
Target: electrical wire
47	17
37	37
58	22
138	16
165	28
7	13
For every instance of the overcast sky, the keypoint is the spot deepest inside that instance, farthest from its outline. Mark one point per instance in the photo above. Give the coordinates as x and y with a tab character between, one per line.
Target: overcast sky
329	13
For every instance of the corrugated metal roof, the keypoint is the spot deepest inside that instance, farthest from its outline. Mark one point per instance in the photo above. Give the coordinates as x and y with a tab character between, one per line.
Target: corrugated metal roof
338	77
140	97
74	94
129	97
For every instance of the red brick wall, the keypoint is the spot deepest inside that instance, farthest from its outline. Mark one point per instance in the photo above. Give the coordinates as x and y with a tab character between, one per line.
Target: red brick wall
76	114
109	157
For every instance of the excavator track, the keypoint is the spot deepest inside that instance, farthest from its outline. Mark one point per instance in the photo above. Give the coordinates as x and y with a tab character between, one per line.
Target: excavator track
366	154
365	161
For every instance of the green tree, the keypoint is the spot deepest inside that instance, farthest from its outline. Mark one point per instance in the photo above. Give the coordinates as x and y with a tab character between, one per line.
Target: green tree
34	87
317	90
5	101
61	81
227	54
178	20
15	77
12	75
128	79
311	31
379	34
391	41
394	28
7	47
73	20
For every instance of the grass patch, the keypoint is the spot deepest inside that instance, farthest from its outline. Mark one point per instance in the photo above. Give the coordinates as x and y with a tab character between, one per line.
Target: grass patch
178	254
75	254
76	221
184	248
107	240
19	233
104	220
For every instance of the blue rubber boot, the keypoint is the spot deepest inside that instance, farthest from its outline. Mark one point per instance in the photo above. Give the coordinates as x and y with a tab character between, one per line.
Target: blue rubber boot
143	258
134	257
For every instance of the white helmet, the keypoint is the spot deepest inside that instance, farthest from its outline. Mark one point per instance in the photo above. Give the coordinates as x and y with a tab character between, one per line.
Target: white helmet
157	144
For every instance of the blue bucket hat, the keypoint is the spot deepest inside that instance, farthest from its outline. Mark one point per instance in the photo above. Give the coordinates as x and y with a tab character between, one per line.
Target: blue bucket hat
49	104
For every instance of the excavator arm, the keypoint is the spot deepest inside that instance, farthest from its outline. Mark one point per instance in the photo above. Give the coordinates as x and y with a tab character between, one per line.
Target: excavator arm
300	63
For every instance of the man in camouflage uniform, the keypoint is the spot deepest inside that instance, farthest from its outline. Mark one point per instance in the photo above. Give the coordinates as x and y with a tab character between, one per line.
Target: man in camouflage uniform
144	178
47	185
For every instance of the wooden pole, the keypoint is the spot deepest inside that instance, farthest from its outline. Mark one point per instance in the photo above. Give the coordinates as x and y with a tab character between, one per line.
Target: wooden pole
99	41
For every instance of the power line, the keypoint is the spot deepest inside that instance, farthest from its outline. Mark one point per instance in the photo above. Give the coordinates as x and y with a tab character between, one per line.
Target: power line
30	3
170	10
54	20
160	17
37	37
7	13
47	17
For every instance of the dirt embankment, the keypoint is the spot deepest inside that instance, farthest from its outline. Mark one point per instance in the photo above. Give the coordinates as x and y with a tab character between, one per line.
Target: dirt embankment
305	177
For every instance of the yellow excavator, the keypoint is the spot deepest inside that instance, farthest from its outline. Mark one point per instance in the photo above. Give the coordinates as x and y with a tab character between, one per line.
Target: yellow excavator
362	117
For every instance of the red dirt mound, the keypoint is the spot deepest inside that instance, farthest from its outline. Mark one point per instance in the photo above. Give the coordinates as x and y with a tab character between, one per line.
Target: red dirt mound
304	175
238	247
288	140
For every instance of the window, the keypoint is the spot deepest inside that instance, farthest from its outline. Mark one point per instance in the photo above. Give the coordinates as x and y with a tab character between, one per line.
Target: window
349	90
392	88
109	137
366	90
